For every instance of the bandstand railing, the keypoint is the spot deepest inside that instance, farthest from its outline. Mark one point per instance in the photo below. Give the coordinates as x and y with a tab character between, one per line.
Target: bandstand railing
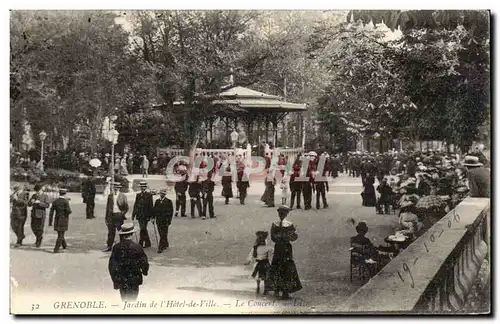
436	272
291	153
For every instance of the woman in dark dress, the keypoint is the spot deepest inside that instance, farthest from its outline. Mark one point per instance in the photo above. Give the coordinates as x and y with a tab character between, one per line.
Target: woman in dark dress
283	273
227	185
268	195
368	194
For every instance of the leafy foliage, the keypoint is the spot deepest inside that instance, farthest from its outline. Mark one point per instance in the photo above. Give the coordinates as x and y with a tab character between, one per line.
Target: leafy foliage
430	84
71	69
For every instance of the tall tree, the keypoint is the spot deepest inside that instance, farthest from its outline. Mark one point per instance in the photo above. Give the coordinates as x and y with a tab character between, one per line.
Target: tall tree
72	68
192	53
451	48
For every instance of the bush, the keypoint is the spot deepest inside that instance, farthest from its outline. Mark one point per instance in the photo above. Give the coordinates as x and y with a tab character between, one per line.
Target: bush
61	178
72	185
18	174
61	175
36	175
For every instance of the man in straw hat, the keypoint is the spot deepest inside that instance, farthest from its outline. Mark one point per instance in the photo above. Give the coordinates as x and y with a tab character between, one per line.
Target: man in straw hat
116	208
62	210
162	215
143	209
478	176
127	264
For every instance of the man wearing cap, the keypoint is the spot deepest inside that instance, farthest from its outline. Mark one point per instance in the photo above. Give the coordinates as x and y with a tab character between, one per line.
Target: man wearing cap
127	264
88	195
478	176
116	208
19	213
39	203
295	186
143	209
180	192
195	197
208	186
62	210
162	215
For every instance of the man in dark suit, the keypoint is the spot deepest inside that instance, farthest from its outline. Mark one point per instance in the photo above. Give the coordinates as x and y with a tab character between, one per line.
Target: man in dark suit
195	197
39	203
143	208
242	184
116	208
19	214
321	185
334	166
180	191
208	186
62	210
295	186
127	264
162	214
479	177
88	195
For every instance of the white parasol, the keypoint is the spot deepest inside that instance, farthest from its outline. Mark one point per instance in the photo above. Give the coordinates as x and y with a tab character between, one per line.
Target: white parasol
95	163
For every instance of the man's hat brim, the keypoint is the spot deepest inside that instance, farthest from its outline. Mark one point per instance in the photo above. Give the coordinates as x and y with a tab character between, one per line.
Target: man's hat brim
284	208
127	229
133	230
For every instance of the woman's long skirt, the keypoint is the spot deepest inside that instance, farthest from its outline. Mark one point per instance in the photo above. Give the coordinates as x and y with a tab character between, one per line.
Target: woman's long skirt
283	273
369	197
227	191
268	196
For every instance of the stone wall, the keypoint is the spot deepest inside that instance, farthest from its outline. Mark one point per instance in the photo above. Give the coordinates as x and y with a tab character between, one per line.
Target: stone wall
436	272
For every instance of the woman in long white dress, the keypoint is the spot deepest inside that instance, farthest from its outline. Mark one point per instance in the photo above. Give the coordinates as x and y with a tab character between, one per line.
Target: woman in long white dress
123	166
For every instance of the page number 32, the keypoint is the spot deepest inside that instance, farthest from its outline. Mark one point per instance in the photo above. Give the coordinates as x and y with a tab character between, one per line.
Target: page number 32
35	307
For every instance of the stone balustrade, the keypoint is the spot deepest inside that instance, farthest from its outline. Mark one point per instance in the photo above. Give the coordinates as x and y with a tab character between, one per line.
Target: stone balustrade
435	273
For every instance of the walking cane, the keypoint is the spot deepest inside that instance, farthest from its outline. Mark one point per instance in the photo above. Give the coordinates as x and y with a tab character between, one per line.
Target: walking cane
135	233
156	235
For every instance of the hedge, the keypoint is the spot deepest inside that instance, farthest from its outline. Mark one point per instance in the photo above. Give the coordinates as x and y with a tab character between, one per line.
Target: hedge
60	178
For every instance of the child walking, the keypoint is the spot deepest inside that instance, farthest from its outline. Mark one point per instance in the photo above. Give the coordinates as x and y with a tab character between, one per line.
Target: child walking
261	254
285	187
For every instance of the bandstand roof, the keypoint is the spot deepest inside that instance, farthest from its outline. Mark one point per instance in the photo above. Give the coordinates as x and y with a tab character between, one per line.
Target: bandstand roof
252	101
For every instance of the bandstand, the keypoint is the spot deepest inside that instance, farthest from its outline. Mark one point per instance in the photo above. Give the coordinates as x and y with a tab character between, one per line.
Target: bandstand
252	112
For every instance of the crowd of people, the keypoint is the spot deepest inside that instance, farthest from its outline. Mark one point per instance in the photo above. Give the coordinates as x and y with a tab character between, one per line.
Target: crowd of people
419	186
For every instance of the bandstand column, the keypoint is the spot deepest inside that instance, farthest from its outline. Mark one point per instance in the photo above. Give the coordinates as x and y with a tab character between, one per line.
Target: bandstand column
267	130
275	133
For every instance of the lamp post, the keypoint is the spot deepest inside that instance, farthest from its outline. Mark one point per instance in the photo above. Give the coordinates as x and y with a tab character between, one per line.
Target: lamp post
43	136
113	138
234	138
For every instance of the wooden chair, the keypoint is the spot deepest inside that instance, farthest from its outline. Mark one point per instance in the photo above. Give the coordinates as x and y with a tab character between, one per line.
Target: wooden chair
359	261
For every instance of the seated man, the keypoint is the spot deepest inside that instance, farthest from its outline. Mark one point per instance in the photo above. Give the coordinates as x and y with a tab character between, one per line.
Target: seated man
385	198
367	250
